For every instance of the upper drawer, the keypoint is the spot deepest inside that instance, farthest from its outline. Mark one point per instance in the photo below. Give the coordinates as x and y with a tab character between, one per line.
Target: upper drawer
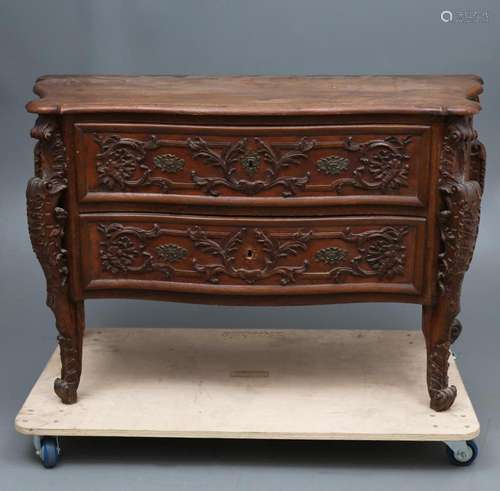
245	166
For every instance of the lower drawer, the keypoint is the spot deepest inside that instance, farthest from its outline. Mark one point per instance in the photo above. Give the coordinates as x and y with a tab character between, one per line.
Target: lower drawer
250	257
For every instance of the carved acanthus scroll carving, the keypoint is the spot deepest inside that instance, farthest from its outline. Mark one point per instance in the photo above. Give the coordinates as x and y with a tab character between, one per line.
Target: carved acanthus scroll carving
46	217
383	251
460	206
383	165
273	250
252	165
460	185
121	158
227	160
46	222
123	250
379	252
477	168
122	164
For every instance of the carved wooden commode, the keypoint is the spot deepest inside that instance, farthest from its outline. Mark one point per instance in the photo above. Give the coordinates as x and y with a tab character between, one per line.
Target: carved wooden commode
257	191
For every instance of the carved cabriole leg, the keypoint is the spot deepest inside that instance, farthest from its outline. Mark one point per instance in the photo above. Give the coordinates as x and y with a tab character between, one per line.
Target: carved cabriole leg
436	327
460	186
46	223
70	346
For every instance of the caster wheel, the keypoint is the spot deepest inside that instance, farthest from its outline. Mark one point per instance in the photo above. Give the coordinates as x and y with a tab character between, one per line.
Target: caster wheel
48	450
464	456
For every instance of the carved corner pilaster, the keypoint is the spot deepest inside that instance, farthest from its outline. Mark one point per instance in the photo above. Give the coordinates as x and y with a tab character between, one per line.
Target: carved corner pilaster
460	208
46	217
460	187
46	224
477	169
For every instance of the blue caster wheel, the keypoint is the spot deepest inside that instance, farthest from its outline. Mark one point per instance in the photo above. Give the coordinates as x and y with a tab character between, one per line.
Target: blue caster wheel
462	453
47	448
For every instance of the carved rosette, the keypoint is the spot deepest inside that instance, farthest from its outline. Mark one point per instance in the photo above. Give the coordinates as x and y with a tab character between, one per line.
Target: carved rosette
382	253
121	163
46	223
332	165
461	182
124	250
330	255
383	165
171	253
169	163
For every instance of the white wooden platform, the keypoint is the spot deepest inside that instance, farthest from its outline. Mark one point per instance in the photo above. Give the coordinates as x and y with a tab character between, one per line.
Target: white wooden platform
308	384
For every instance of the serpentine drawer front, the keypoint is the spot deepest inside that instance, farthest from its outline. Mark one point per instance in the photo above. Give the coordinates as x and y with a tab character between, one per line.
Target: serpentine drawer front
253	257
257	191
252	166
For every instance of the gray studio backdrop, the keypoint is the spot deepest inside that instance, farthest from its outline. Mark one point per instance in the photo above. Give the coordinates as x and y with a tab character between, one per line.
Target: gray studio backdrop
236	37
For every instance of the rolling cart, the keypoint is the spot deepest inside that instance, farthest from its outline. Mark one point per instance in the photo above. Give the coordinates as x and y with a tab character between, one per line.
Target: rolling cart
269	384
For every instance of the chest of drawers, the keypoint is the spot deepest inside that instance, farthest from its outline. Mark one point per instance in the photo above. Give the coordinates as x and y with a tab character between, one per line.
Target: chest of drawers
257	191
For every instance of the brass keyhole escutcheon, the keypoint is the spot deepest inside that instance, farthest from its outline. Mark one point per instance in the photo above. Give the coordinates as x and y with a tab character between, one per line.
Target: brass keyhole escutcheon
250	254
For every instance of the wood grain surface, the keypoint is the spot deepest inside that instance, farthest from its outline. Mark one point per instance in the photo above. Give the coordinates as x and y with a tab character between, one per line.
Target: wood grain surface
259	95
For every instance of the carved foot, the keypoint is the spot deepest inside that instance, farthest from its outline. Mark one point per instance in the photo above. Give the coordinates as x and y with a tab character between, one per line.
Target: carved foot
442	399
66	385
442	396
65	390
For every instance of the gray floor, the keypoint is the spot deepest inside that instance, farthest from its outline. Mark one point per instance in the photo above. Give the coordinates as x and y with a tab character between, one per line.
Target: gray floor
262	36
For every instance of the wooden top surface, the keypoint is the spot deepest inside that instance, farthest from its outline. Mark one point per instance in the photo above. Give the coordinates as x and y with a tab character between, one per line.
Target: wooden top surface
258	95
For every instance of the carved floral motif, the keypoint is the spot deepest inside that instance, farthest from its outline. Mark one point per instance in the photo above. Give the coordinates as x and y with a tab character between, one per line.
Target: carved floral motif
171	253
169	163
273	249
384	165
123	163
119	253
332	164
120	159
228	159
125	249
330	255
382	253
